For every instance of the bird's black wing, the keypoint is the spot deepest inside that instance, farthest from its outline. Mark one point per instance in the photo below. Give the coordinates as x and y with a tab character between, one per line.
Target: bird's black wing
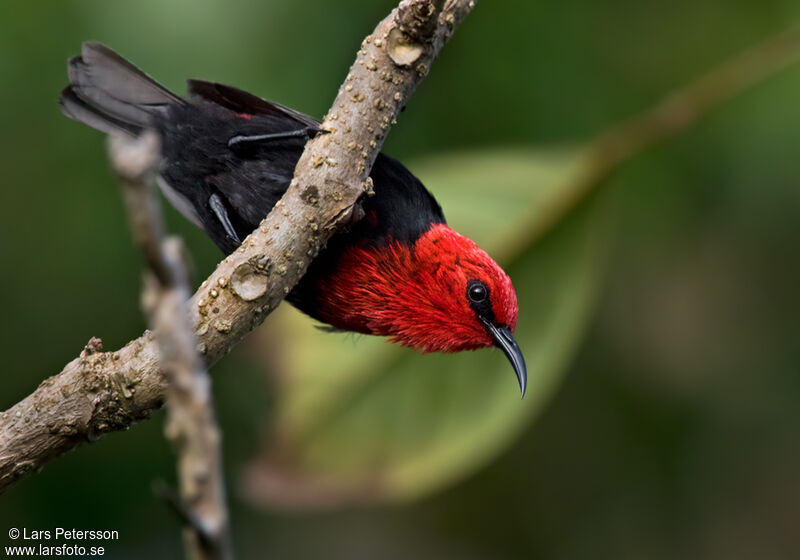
240	101
248	180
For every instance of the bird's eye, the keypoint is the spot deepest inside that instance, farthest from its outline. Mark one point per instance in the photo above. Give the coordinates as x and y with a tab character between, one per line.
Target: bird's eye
477	292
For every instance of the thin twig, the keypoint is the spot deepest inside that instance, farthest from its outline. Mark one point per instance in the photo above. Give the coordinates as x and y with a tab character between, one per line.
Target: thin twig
191	426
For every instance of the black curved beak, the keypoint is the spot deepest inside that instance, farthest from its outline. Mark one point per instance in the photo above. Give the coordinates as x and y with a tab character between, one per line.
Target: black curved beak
504	340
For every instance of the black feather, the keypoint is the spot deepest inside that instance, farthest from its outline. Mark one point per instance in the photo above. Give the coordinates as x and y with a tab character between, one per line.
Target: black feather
240	101
76	108
110	94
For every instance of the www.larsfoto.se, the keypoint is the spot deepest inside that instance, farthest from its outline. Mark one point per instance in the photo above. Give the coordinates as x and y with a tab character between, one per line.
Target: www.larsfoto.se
58	550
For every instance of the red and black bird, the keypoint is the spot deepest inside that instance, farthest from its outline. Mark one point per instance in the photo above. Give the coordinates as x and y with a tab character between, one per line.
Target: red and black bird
228	156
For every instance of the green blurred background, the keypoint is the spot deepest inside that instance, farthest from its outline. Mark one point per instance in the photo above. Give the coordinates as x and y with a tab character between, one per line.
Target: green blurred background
661	315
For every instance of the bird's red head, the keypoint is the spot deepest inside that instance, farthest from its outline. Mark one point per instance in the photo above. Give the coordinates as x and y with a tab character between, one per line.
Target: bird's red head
441	294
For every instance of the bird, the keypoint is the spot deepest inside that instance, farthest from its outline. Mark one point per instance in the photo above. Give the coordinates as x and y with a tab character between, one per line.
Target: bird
227	156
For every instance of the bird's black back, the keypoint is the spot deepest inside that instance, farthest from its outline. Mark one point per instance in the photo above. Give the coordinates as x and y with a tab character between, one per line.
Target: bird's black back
250	178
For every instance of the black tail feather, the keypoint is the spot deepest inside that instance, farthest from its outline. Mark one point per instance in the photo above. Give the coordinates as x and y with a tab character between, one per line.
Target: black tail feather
110	94
77	109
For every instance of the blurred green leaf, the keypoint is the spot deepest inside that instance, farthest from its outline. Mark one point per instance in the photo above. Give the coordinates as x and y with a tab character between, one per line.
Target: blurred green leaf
361	420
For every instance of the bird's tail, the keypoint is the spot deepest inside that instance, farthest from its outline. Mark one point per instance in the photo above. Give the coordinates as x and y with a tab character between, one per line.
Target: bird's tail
110	94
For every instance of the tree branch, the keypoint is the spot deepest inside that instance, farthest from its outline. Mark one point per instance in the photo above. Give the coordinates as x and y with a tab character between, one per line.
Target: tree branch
101	392
191	426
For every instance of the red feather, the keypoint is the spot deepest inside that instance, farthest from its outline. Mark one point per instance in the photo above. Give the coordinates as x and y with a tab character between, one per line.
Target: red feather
416	294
